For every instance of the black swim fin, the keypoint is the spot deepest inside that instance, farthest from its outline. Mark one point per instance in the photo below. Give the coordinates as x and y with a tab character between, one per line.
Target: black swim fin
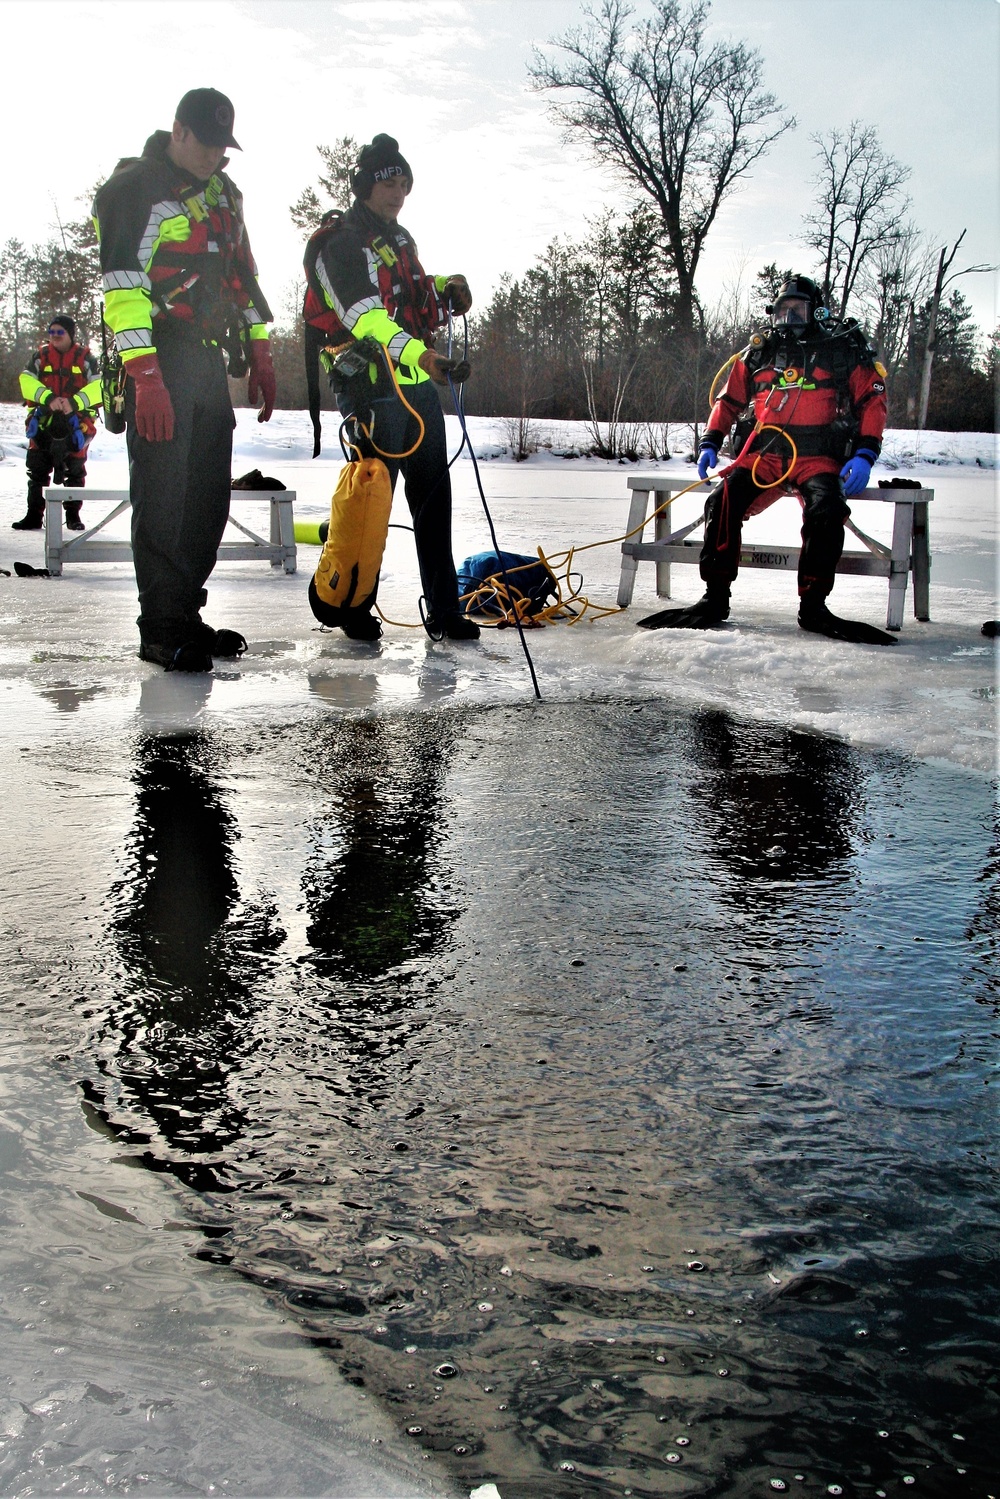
817	619
711	609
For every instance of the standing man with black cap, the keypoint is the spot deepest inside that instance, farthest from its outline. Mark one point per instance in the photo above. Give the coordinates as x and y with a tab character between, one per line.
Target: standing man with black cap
180	285
368	277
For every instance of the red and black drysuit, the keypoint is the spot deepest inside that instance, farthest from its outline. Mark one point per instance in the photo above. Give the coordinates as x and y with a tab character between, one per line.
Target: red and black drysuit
368	282
827	391
57	444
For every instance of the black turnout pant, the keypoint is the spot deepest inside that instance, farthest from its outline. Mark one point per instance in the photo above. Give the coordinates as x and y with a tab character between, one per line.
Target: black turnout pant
180	491
70	469
426	483
823	516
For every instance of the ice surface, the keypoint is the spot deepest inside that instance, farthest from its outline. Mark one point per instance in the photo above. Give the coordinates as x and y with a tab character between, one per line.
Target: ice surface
69	643
210	1371
126	1364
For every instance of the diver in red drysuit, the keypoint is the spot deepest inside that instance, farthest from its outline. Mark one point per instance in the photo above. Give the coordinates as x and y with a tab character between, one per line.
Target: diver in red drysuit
820	382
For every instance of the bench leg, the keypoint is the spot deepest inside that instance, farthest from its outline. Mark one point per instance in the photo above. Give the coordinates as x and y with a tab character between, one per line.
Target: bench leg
275	532
636	519
921	563
286	533
661	530
53	537
899	566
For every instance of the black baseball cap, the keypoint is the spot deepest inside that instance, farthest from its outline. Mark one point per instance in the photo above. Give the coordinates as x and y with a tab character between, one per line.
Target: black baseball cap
210	115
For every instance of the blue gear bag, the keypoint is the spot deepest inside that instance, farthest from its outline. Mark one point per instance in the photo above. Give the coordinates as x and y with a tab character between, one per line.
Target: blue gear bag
527	576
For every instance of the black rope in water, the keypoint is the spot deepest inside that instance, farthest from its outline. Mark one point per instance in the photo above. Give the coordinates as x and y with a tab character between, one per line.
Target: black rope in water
466	440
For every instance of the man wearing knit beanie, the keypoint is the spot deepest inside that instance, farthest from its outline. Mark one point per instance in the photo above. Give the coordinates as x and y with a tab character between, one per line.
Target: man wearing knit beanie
379	162
368	277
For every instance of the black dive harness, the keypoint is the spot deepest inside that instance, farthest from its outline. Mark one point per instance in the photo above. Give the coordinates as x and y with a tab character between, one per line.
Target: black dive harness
840	351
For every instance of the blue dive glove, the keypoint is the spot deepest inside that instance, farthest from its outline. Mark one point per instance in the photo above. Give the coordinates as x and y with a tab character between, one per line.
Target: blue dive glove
856	472
708	458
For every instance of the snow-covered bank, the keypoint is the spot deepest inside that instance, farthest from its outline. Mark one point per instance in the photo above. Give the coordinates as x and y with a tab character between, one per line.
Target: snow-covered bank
69	643
289	436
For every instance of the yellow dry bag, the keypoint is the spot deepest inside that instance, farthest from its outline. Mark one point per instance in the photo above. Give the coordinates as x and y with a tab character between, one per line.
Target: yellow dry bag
347	575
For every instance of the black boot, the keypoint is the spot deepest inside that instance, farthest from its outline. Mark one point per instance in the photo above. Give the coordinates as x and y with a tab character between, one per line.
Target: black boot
225	644
711	609
35	515
71	509
360	624
453	626
191	655
815	617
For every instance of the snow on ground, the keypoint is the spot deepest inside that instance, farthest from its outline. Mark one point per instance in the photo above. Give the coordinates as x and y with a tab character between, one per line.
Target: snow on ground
69	643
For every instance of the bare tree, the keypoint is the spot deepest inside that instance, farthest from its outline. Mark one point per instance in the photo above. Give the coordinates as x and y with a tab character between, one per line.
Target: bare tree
941	281
620	268
675	117
894	281
339	161
860	208
729	319
895	278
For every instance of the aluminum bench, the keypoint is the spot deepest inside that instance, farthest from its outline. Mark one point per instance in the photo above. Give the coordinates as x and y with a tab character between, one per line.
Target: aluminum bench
278	548
909	551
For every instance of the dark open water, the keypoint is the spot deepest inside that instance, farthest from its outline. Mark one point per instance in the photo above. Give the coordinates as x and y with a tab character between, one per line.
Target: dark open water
634	1069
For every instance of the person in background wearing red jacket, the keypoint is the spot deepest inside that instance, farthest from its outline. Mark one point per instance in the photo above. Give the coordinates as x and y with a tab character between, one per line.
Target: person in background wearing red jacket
819	381
62	389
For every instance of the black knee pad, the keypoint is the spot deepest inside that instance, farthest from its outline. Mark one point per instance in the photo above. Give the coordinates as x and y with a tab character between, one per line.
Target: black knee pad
823	497
39	465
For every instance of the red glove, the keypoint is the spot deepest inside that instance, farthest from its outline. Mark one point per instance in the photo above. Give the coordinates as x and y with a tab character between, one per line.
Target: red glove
261	385
154	414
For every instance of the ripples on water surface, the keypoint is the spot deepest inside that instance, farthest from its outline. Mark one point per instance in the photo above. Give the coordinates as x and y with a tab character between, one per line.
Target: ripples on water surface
603	1086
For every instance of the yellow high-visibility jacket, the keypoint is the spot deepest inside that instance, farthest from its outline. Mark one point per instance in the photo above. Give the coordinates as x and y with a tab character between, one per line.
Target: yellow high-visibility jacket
175	257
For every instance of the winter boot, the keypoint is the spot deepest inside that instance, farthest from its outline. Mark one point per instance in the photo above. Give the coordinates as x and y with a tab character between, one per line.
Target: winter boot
223	644
35	516
815	617
190	656
360	624
71	509
711	609
452	626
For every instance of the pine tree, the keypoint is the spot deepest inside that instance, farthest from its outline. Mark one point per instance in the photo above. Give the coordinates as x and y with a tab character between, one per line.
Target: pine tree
335	183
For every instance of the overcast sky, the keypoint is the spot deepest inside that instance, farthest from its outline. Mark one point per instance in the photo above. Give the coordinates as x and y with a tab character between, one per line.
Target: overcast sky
85	81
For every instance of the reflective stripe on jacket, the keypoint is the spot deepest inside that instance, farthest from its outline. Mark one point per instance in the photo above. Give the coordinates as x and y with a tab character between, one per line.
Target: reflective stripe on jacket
75	375
371	279
174	251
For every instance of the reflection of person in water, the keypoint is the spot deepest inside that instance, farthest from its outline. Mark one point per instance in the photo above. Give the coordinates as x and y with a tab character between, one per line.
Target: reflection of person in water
778	805
374	892
193	951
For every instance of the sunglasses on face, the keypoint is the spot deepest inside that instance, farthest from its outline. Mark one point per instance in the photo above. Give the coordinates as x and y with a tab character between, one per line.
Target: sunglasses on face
55	332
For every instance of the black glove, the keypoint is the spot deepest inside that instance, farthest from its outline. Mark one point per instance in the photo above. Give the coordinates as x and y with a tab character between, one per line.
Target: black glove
457	294
439	367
